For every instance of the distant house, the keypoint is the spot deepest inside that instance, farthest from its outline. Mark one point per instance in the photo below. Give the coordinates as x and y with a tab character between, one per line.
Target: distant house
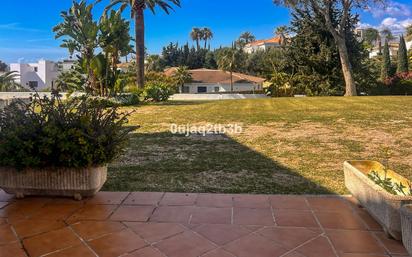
38	75
215	81
262	44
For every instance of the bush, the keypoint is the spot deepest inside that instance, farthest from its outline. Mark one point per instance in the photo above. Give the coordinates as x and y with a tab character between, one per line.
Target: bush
49	132
400	84
157	91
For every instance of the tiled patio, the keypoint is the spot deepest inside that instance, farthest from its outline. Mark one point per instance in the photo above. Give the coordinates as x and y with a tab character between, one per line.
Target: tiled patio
189	225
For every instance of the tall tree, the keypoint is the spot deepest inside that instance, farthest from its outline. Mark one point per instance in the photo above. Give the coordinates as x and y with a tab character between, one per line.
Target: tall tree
281	32
228	60
371	37
386	62
409	33
207	36
402	56
387	34
196	35
137	8
81	36
247	37
330	9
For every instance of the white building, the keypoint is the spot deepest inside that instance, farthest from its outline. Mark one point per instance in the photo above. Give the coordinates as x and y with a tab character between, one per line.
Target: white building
262	45
40	75
218	81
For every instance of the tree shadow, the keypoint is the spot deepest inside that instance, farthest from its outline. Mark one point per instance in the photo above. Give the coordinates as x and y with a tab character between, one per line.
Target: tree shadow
212	163
181	102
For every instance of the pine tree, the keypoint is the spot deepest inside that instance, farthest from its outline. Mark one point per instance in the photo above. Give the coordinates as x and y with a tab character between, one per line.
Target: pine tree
386	62
402	56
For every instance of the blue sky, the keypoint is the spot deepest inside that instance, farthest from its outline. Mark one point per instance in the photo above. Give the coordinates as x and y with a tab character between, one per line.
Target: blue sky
25	26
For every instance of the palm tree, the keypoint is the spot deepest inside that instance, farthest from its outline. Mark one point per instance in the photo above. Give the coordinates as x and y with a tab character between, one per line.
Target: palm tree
196	34
207	35
81	33
228	60
137	8
247	37
408	36
387	34
182	75
281	32
8	81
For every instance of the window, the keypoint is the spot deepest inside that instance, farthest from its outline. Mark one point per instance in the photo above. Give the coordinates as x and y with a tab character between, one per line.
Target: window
33	84
217	89
36	69
202	89
185	89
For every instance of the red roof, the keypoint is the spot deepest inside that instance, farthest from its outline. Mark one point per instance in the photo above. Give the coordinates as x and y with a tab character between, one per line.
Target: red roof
208	76
275	40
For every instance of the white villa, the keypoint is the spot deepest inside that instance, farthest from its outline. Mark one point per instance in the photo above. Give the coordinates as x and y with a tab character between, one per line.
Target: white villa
40	75
215	81
262	45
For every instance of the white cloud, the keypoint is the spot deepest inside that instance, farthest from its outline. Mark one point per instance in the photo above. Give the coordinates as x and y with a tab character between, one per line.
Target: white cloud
396	26
391	8
16	27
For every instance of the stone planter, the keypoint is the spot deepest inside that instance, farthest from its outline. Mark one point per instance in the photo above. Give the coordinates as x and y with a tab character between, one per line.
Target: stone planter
68	182
383	206
406	217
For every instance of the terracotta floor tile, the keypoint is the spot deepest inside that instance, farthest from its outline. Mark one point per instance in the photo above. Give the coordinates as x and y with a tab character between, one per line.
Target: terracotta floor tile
294	254
117	244
145	252
22	209
2	221
143	198
214	200
6	234
218	253
222	234
320	247
209	215
92	229
328	204
4	197
340	220
108	198
75	251
370	222
393	246
251	201
50	242
32	227
55	212
12	250
256	246
353	241
187	244
92	212
289	237
289	202
364	255
295	218
132	213
172	214
154	232
247	216
66	200
178	199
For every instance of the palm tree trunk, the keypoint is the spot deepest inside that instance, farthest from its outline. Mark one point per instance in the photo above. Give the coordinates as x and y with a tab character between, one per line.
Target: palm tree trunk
140	43
197	44
205	43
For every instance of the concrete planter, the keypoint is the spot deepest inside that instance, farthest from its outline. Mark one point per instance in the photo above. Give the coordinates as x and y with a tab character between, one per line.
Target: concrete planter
406	217
68	182
383	206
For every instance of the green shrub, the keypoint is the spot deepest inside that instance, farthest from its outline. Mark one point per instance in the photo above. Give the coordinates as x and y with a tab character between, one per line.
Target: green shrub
49	132
157	91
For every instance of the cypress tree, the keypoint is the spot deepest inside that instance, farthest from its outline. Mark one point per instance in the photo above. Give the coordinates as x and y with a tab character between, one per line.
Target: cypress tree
386	62
402	56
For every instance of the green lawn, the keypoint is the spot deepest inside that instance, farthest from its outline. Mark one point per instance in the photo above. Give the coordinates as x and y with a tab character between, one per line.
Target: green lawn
288	145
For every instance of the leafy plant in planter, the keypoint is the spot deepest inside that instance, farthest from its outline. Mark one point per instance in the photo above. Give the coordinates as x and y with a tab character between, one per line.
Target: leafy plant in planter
389	185
50	132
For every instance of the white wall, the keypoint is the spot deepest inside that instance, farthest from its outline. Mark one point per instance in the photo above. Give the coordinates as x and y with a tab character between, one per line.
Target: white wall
47	72
237	87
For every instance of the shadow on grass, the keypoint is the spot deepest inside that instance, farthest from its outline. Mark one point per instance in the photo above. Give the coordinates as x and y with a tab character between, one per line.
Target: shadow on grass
180	102
212	163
